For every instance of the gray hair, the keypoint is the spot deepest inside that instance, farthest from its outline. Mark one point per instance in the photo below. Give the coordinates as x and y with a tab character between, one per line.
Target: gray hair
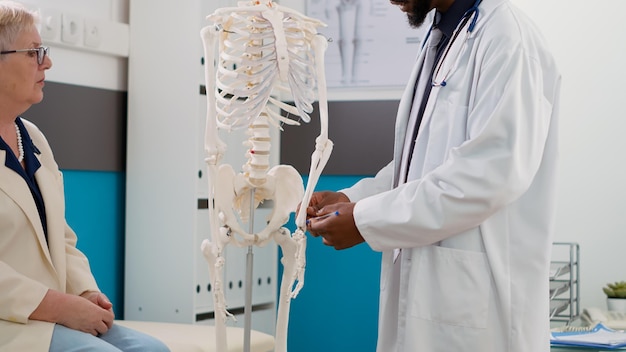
14	19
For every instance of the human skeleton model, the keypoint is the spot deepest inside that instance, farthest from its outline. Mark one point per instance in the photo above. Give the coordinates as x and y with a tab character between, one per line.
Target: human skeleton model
264	50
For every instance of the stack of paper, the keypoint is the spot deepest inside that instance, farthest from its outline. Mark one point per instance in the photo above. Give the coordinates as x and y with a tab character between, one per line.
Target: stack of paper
598	336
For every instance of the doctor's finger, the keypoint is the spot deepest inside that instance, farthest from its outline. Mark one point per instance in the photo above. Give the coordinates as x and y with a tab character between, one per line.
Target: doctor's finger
316	227
314	233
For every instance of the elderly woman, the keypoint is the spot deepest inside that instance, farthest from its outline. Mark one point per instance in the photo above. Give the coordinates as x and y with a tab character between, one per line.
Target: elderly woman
49	299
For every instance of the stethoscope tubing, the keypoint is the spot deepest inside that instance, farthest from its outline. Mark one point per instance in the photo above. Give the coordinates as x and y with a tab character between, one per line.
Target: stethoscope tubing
472	13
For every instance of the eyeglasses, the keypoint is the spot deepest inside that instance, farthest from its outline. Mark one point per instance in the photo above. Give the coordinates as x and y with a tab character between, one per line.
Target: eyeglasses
42	51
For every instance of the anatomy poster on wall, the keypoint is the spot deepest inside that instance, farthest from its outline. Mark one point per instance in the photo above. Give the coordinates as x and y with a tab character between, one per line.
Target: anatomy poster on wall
370	42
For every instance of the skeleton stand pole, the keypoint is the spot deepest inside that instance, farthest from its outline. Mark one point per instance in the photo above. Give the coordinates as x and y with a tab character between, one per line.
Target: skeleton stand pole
249	262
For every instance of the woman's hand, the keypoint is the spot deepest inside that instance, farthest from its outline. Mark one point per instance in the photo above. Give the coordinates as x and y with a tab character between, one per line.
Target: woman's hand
91	312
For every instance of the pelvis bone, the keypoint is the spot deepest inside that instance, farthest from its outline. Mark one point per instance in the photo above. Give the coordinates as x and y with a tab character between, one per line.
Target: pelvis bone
232	194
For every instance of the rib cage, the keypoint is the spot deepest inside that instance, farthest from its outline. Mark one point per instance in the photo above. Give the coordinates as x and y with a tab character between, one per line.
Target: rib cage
249	70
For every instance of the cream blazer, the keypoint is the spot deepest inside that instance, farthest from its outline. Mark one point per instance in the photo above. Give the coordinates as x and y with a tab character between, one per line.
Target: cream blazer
28	265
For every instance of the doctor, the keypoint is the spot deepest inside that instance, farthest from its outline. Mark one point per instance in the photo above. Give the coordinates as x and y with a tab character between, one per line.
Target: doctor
465	216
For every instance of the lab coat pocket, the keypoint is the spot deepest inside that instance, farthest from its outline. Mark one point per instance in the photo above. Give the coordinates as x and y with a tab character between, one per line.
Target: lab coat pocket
450	286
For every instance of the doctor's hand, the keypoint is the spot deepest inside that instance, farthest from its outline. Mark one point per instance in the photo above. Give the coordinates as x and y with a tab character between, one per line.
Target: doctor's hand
322	199
337	228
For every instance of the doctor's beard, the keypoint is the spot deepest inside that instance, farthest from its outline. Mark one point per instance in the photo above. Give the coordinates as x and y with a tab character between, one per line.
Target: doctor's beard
416	10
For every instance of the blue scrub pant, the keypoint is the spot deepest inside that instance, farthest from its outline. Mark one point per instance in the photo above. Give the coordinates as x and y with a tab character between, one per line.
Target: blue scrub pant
117	339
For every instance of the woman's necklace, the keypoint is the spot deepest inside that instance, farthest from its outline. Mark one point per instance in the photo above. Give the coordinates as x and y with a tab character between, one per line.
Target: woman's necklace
20	146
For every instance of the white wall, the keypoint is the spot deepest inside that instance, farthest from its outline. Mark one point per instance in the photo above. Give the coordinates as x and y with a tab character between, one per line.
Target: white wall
591	189
103	65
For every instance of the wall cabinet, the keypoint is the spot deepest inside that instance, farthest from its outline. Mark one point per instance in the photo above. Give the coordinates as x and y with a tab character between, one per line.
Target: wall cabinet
166	189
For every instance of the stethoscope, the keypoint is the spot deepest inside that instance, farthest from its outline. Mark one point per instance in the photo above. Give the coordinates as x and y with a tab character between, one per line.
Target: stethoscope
472	14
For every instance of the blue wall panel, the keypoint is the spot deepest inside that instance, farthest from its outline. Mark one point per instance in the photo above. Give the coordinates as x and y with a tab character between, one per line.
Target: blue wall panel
337	310
95	210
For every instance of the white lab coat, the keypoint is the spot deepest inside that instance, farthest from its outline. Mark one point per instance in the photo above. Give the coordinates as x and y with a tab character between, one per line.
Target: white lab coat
475	221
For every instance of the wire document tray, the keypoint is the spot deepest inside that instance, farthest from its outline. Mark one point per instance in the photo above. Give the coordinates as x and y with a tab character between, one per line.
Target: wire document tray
565	282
